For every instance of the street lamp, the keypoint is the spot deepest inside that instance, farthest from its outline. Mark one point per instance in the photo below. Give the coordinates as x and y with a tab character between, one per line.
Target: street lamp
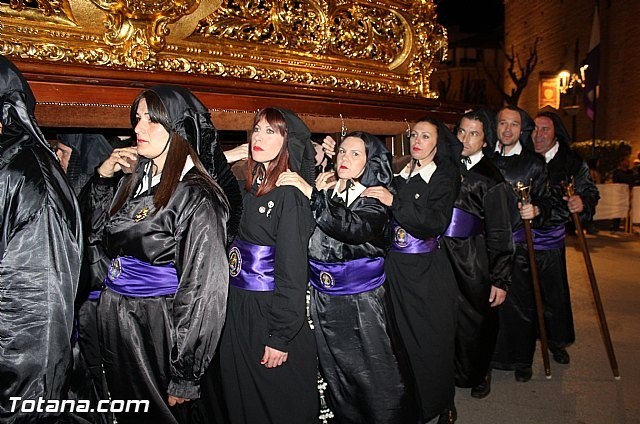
574	82
568	80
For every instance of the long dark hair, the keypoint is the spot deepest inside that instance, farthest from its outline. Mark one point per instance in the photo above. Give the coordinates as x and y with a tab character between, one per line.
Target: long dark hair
279	164
179	149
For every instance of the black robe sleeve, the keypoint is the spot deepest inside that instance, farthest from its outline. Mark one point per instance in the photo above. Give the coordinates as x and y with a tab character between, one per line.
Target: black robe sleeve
200	302
40	256
229	184
287	313
540	194
498	237
337	220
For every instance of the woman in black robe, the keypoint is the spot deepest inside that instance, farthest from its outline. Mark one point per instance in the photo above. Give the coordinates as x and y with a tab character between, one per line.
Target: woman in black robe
480	247
40	251
162	311
267	352
422	284
346	256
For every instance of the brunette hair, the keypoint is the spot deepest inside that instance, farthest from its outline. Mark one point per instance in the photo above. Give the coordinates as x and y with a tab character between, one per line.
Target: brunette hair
279	164
179	149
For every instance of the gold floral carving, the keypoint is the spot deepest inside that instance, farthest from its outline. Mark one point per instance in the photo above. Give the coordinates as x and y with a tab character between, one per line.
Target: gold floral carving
379	46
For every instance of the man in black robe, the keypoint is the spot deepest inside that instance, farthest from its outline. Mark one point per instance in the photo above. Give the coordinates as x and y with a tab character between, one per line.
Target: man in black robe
518	163
480	245
550	139
40	251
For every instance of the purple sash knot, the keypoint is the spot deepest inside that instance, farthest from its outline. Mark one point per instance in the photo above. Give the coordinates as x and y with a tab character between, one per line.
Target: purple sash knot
464	224
403	242
129	276
345	278
543	238
252	266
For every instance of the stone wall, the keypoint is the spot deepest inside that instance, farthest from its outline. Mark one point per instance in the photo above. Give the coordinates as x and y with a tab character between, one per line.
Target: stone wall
563	24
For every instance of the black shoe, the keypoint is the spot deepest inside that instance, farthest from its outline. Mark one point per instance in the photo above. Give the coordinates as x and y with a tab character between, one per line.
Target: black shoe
483	389
560	355
448	416
523	374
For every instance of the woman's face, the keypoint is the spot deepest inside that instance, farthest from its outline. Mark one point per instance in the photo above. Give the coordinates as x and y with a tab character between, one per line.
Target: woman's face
351	158
266	143
151	136
424	137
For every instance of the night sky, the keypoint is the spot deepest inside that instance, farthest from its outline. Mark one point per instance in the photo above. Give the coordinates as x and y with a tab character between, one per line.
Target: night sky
472	15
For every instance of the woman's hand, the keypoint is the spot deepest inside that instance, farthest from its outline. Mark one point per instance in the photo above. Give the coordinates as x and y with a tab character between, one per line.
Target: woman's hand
174	400
326	180
237	153
273	357
380	193
329	146
120	160
294	179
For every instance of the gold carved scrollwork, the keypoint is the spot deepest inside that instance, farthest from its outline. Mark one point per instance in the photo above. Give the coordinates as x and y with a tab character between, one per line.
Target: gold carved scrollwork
297	24
431	45
139	27
366	32
377	46
41	9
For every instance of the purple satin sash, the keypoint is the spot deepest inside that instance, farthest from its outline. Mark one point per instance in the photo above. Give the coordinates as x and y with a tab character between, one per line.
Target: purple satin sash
403	242
464	224
132	277
94	295
350	277
543	238
251	266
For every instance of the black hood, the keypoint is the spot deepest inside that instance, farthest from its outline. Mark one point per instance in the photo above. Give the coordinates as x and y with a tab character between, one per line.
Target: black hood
12	81
19	127
377	171
561	133
190	119
449	147
488	119
299	145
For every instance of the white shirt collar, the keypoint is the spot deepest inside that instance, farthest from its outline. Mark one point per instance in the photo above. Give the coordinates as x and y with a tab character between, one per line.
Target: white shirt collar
155	180
354	192
516	150
474	158
550	154
425	173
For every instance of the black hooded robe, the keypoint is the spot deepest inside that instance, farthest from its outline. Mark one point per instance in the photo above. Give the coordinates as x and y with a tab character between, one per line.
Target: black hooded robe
355	349
160	345
554	283
288	393
518	321
423	288
480	262
40	251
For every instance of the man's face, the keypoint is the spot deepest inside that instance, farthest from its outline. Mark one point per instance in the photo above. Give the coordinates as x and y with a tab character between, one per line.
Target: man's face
543	135
509	127
471	135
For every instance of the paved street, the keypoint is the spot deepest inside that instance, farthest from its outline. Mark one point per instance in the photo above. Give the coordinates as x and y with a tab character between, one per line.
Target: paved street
584	391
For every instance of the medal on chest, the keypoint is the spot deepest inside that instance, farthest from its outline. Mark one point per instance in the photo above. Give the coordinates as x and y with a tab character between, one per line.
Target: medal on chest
141	214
